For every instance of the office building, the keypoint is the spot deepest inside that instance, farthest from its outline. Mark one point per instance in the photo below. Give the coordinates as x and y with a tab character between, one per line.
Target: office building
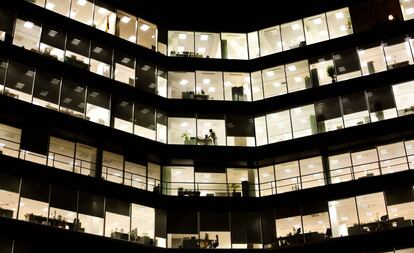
123	130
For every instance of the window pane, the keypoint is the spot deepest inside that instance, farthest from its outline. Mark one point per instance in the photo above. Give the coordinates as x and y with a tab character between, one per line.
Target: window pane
181	43
9	196
237	86
181	85
85	162
124	68
343	216
90	214
240	131
297	75
208	45
398	53
135	175
147	33
142	224
244	181
316	29
274	81
117	220
209	86
144	121
372	60
340	168
211	184
77	52
311	171
257	87
410	152
27	35
303	121
161	127
121	114
407	9
82	11
279	126
146	76
381	104
101	60
371	211
182	131
178	180
161	82
104	17
97	107
339	23
355	109
289	226
59	6
9	140
52	43
318	71
61	154
347	65
112	167
365	163
260	130
253	41
287	177
400	203
267	181
328	115
270	41
404	97
316	225
234	46
392	158
126	26
212	130
19	82
292	35
154	177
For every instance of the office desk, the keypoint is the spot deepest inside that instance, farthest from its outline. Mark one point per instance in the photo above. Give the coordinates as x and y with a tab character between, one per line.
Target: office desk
182	192
379	225
201	97
120	235
190	243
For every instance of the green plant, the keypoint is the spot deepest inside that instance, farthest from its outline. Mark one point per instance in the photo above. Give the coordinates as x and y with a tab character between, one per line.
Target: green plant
330	70
349	23
186	136
234	187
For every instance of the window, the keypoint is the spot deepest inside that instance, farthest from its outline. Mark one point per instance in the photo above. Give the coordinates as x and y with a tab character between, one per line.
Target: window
347	65
404	93
19	82
303	121
297	76
343	216
372	60
121	114
287	177
52	43
410	152
270	41
10	140
260	130
27	35
289	229
316	29
279	126
142	224
318	71
316	224
381	104
209	86
400	203
126	26
101	60
146	76
267	181
181	85
311	171
392	158
257	86
407	9
61	154
135	175
3	71
240	131
82	11
112	167
9	195
243	181
161	127
237	86
207	45
355	109
211	130
161	82
117	219
340	168
372	212
124	68
181	44
144	121
234	46
85	159
147	34
211	181
47	91
63	207
292	35
154	177
104	17
339	23
90	214
178	181
398	53
365	163
97	107
77	52
328	115
59	6
274	81
34	198
182	131
253	40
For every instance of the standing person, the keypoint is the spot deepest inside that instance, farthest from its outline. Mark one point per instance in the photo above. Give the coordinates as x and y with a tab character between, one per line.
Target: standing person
213	136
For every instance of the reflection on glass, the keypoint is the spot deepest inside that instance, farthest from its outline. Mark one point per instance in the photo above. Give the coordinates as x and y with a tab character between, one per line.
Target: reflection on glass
181	44
292	35
27	35
339	23
126	26
274	81
207	45
343	216
182	131
270	41
279	126
237	86
316	29
234	46
287	177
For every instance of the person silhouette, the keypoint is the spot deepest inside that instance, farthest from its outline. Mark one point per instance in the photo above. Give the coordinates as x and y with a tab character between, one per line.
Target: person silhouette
213	136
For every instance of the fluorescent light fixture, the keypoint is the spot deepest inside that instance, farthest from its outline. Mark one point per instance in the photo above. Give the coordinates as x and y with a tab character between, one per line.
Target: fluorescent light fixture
184	124
311	166
270	73
265	175
132	38
342	28
297	110
50	6
97	50
409	11
339	15
52	33
144	27
369	213
19	85
212	89
207	124
94	94
44	93
292	68
180	49
344	218
295	27
201	50
206	81
102	11
384	152
145	67
288	170
125	19
182	36
82	2
276	84
298	79
317	21
75	42
227	83
359	157
28	25
204	37
183	82
125	60
388	58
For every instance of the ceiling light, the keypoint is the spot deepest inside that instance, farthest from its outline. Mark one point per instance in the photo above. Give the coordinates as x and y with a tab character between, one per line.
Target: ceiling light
75	42
82	2
344	218
44	93
265	175
145	67
125	60
97	50
125	19
2	145
183	82
132	38
211	89
178	172
295	27
52	33
103	11
409	146
270	73
359	157
50	6
28	25
180	49
369	213
144	27
297	110
67	100
322	33
94	94
335	161
182	36
342	28
409	11
317	21
311	166
292	68
206	81
339	15
287	170
184	124
227	83
19	85
298	79
201	50
123	103
276	84
281	125
384	152
204	37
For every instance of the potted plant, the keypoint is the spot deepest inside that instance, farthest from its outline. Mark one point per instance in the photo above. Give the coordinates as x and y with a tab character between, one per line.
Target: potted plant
307	82
330	70
234	187
186	136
